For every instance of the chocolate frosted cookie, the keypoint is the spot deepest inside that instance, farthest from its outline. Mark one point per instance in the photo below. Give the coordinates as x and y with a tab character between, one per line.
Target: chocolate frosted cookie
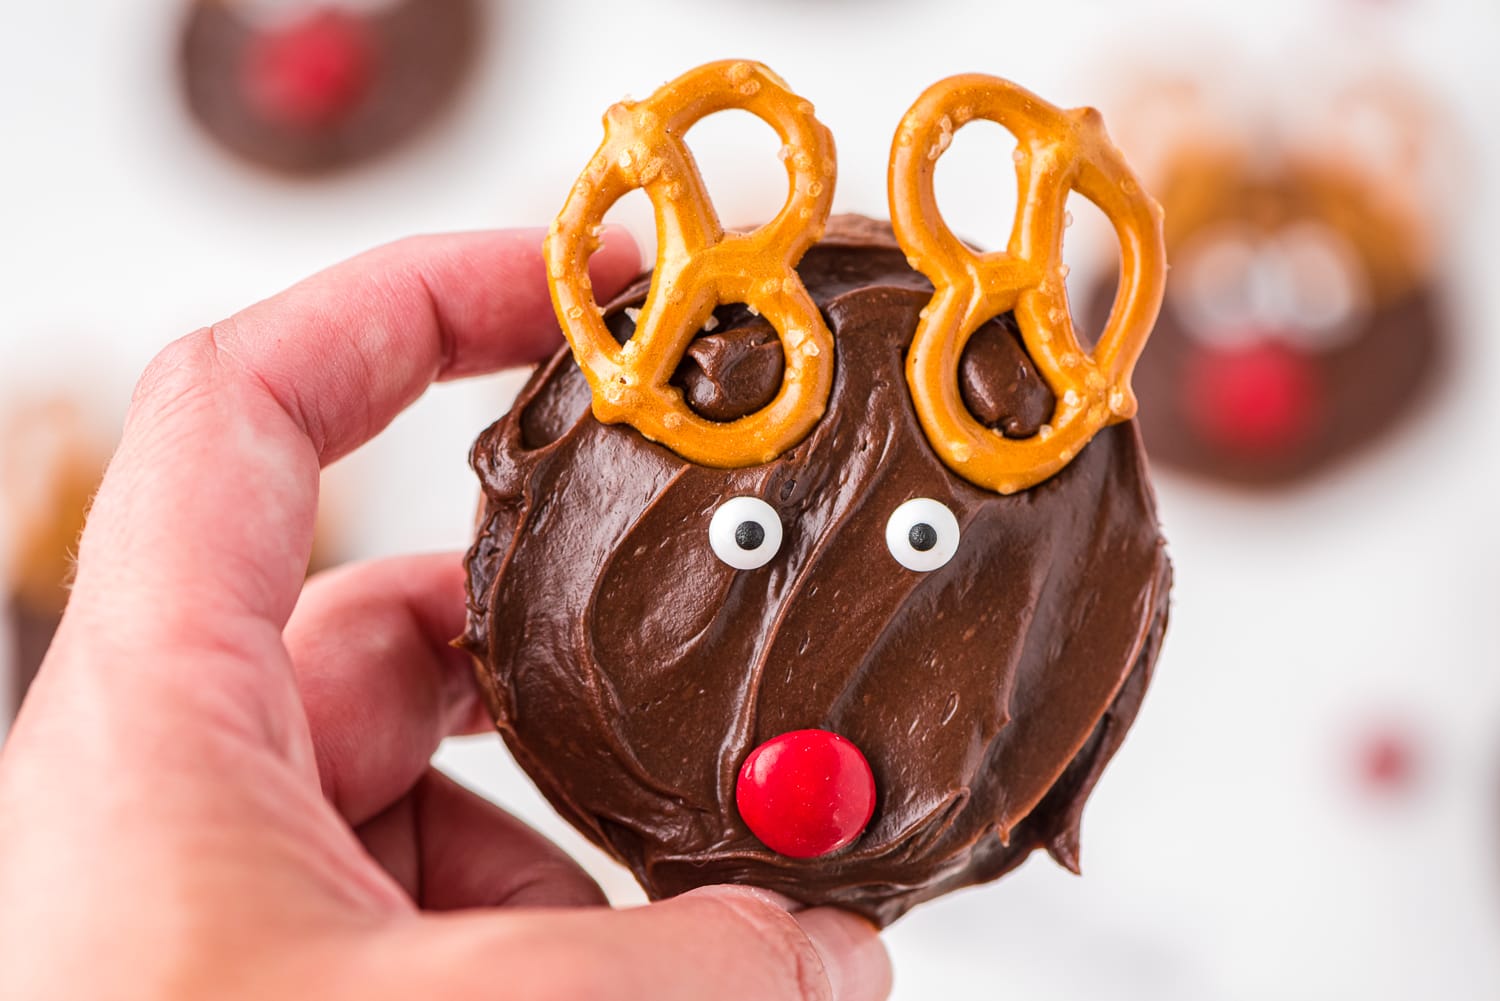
1295	330
310	87
1303	320
842	670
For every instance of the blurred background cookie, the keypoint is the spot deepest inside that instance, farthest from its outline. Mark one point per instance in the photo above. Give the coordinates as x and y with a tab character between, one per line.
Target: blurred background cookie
50	464
309	86
53	452
1304	319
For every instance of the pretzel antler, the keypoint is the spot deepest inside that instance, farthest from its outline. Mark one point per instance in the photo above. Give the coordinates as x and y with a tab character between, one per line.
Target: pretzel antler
1058	152
699	265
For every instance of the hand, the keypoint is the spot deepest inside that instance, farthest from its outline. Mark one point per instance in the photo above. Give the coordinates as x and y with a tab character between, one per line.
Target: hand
221	789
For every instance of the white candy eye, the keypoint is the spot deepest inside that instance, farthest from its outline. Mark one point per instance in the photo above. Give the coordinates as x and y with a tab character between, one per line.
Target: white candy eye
1212	290
745	532
1325	286
922	534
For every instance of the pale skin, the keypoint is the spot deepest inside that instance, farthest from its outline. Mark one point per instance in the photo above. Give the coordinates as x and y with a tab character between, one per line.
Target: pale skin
219	786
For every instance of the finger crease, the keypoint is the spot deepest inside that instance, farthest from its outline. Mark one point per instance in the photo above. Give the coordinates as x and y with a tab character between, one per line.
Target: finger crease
447	340
289	403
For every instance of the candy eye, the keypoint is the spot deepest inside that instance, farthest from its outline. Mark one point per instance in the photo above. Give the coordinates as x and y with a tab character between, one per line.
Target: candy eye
1325	287
1212	292
922	534
745	532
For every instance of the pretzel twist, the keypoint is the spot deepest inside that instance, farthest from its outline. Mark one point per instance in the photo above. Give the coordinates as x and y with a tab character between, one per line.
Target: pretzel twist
1058	151
699	265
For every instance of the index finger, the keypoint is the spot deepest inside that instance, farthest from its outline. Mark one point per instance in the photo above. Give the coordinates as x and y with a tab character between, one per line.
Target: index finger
204	520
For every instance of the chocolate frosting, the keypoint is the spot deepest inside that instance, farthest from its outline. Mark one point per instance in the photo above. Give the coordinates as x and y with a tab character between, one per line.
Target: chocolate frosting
631	672
732	374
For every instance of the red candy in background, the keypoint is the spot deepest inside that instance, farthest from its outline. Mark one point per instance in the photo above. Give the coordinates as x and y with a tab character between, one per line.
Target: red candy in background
1389	760
1258	398
307	87
311	73
806	793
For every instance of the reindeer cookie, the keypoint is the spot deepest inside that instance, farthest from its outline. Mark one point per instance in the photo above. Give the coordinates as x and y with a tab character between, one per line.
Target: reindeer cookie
1302	321
825	560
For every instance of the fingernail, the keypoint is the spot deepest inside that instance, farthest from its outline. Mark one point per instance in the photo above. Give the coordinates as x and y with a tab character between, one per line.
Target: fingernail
858	967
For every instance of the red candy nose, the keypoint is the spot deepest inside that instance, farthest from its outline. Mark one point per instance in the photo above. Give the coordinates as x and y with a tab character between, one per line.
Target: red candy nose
806	793
1260	398
309	74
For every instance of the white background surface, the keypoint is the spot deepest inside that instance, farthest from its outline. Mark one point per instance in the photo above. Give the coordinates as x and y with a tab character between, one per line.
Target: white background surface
1228	853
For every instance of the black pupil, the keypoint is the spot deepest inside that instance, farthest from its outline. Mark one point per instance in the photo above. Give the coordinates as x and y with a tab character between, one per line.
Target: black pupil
749	535
922	536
